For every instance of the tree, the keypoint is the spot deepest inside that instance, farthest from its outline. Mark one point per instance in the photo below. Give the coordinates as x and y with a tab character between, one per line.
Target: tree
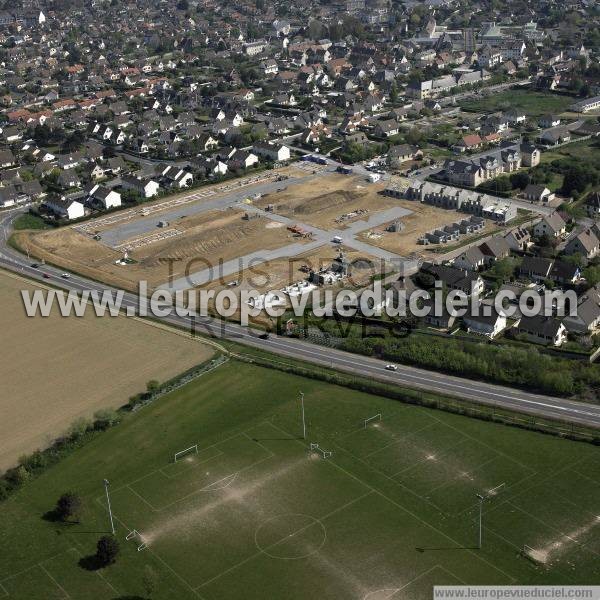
149	580
519	180
68	507
107	550
152	386
394	93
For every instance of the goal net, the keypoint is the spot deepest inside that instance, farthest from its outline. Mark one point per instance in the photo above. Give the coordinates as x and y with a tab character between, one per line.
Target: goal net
191	450
372	419
134	534
323	453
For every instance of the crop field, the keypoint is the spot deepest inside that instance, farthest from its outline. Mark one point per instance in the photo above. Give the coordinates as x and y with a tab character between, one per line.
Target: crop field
379	510
54	369
534	103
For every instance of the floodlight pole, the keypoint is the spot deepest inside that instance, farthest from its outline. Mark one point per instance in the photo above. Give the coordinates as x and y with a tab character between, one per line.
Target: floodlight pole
112	524
481	499
303	420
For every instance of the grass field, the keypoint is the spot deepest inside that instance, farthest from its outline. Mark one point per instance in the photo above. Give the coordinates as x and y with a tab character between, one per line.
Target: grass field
54	369
534	103
256	514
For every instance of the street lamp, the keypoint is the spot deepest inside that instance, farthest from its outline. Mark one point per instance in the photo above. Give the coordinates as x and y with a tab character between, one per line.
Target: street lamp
481	499
303	420
112	524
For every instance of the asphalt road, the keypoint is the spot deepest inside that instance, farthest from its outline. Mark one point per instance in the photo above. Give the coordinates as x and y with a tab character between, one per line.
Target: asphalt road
406	376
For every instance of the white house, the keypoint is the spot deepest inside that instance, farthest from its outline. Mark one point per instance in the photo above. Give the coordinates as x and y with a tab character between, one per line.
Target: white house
65	208
104	196
275	152
145	187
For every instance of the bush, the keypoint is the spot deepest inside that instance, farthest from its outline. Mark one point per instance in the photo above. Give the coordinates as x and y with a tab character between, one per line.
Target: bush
105	418
69	506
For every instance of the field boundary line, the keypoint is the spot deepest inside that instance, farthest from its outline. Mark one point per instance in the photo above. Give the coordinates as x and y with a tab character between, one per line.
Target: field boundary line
420	462
457	479
594	481
4	590
37	564
483	443
97	571
197	463
227	439
418	518
60	587
396	441
506	494
394	481
177	575
253	556
552	528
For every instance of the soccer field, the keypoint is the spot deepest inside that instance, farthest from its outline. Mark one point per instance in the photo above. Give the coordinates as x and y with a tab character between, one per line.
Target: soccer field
253	512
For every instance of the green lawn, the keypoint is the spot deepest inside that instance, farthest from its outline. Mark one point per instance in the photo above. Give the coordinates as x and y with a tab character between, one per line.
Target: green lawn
28	221
534	103
254	514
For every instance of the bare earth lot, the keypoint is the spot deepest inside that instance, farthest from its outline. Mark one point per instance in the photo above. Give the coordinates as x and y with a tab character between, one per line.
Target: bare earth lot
56	370
321	202
424	218
209	236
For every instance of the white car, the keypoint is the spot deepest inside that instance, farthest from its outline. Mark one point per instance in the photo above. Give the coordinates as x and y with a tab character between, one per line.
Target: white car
391	367
65	276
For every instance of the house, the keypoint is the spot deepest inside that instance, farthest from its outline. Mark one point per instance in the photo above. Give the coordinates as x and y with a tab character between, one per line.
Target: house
565	273
587	319
495	248
444	320
174	177
592	205
402	153
586	105
271	151
483	324
535	268
548	121
555	136
7	159
585	243
471	259
551	225
65	208
104	197
464	173
530	155
541	329
386	128
469	142
147	188
518	239
456	279
516	116
537	193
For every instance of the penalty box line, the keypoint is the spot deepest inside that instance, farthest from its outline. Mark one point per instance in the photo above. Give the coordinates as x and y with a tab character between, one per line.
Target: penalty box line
159	469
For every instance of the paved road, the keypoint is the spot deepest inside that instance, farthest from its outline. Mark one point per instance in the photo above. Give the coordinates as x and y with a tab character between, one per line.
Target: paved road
484	393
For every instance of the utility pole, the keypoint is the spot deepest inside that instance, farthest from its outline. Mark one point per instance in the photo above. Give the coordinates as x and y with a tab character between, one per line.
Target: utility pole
112	524
303	420
481	499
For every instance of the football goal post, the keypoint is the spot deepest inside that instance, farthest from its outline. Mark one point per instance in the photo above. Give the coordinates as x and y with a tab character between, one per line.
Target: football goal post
317	448
135	534
376	417
191	450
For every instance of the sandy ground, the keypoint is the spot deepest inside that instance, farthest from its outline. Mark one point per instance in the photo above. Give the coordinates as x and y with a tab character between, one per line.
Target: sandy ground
56	369
325	202
424	218
212	236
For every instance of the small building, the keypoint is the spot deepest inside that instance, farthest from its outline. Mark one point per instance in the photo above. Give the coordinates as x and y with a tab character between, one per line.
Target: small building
105	197
483	324
551	225
65	208
540	329
538	193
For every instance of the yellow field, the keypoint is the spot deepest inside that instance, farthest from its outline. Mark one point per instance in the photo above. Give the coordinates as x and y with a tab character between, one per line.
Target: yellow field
55	370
